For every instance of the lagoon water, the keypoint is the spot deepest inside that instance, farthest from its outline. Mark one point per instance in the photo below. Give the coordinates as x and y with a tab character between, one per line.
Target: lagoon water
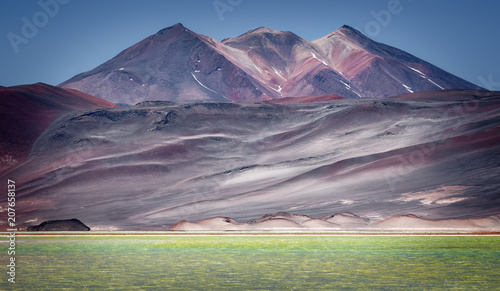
256	263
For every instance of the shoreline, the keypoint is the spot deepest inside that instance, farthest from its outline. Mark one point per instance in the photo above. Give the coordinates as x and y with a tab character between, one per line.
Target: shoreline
230	233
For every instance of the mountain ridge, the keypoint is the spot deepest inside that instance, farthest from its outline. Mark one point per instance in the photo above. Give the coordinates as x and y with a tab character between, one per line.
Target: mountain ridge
177	64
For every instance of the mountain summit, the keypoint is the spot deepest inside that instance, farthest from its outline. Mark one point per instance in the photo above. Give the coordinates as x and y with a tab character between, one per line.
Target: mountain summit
177	64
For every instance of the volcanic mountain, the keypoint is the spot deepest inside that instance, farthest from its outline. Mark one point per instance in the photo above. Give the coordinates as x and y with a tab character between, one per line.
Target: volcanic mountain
177	64
434	155
28	109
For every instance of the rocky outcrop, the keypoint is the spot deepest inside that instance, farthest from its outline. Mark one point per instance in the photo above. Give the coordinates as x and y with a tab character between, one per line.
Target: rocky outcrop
60	225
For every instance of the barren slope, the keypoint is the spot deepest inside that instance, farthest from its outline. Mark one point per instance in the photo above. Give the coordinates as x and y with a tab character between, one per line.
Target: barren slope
28	109
155	164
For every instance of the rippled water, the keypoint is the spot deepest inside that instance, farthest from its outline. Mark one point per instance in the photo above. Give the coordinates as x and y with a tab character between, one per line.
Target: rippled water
257	263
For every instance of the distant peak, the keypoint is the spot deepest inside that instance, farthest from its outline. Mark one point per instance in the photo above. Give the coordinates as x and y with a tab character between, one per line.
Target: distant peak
347	30
346	27
175	27
263	34
178	25
263	29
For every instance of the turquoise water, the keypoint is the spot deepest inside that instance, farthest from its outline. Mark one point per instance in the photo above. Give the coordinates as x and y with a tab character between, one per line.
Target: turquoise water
256	263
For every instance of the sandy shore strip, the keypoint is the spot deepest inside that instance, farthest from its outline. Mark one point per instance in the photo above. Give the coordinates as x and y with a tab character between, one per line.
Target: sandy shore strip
230	233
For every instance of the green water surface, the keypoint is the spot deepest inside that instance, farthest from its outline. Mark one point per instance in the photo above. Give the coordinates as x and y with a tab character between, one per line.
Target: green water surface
256	263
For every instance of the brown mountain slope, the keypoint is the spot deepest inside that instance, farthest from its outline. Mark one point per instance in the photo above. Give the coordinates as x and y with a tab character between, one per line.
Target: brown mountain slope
27	110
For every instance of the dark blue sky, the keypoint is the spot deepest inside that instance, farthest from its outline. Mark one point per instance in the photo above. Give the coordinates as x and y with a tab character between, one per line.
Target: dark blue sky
461	37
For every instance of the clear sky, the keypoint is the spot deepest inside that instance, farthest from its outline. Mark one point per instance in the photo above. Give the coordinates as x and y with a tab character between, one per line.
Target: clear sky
52	40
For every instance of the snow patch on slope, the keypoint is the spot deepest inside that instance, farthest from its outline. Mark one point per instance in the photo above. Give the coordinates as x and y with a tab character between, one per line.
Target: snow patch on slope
425	77
435	83
278	73
315	57
202	84
408	88
417	71
348	86
257	68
